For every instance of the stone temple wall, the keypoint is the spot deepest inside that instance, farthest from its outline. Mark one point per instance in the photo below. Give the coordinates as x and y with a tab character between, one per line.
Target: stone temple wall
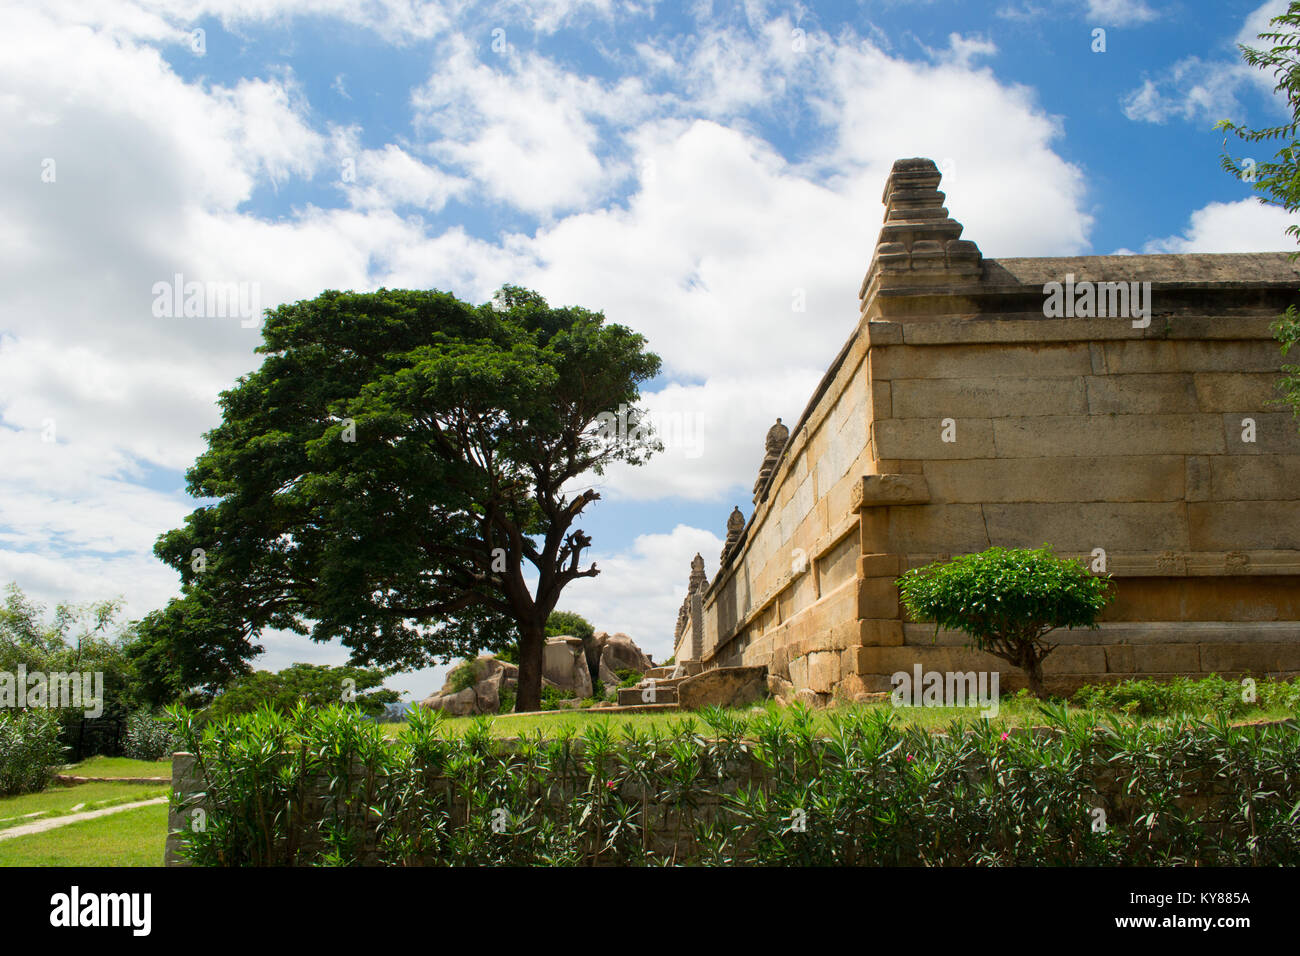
964	413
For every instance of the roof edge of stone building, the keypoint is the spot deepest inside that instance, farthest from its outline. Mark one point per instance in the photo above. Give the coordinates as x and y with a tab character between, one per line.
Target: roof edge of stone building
1195	269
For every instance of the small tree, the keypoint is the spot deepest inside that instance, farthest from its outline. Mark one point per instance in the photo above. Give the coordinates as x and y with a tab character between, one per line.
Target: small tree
1007	600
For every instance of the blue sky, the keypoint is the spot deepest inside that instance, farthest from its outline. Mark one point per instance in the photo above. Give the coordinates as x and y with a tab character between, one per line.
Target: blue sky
687	168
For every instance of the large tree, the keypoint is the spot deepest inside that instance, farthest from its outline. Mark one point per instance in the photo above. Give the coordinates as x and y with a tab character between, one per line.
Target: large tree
404	474
1278	180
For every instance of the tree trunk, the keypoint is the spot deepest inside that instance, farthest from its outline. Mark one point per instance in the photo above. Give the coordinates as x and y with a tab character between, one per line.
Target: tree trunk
528	694
1034	669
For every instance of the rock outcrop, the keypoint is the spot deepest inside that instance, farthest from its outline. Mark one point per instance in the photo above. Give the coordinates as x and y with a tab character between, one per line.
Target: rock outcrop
565	667
619	652
483	696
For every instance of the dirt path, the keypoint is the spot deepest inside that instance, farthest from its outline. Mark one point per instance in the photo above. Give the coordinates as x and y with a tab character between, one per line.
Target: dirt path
53	823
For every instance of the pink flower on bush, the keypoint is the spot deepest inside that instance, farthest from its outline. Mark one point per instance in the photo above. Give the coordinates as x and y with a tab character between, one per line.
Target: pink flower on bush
909	758
1005	735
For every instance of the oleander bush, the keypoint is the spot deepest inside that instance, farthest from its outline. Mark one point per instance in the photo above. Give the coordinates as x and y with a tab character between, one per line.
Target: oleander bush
148	737
325	787
29	749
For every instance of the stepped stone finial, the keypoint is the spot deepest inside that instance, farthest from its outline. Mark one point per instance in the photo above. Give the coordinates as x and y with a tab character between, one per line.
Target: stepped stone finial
697	580
919	242
694	586
773	445
735	526
736	521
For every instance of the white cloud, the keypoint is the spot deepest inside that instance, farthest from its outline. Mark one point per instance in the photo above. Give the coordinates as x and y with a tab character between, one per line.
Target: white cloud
380	179
1120	13
658	199
526	130
1200	90
1243	226
963	50
640	589
713	437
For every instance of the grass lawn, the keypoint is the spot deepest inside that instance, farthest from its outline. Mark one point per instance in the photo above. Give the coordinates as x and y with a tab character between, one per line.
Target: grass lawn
56	801
119	767
1013	712
130	838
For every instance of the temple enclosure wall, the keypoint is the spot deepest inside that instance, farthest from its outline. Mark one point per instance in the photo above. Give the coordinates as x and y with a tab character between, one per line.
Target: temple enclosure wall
968	409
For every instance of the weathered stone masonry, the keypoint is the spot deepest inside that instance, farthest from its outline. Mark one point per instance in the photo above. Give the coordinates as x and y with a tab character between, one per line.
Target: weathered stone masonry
1082	433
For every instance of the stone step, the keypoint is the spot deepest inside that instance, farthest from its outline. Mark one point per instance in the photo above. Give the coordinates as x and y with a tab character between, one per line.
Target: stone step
632	696
661	673
662	681
637	708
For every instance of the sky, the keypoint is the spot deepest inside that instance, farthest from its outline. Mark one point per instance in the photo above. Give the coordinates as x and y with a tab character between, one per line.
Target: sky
693	170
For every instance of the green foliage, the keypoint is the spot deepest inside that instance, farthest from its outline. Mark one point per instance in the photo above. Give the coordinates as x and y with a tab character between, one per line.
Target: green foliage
397	462
463	675
628	677
29	747
1007	601
569	623
78	639
148	737
1182	695
551	696
506	699
315	685
866	793
1278	181
189	650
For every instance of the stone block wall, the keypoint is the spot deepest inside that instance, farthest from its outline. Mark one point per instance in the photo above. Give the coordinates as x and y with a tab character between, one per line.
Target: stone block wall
960	416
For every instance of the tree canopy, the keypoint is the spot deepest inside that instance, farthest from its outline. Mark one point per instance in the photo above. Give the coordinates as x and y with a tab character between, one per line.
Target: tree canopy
403	474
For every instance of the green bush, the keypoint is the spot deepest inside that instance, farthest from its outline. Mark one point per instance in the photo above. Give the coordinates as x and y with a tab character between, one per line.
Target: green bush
869	792
315	684
1183	695
1007	601
29	747
76	639
552	695
627	677
567	622
148	737
464	675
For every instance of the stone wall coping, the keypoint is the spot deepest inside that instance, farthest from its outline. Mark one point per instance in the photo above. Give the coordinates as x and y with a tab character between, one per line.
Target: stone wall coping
1196	270
808	422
